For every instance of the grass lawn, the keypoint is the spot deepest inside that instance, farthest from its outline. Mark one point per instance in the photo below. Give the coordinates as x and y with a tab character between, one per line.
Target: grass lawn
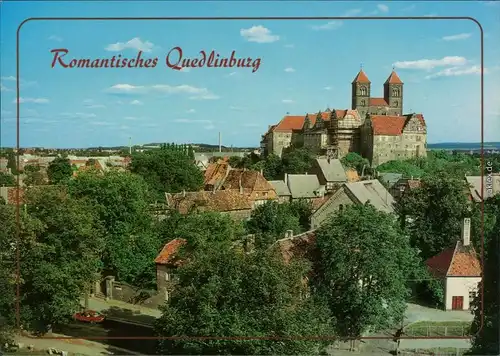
438	328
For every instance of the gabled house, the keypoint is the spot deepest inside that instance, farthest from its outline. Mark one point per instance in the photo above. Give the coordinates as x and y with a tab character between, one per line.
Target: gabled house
459	269
215	174
250	183
166	263
354	193
491	186
233	203
403	186
330	172
282	191
304	186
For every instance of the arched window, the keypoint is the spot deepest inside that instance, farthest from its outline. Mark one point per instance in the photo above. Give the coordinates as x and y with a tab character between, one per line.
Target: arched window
363	91
395	92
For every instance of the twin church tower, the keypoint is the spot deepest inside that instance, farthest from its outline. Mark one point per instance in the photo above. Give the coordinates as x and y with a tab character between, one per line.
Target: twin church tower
390	104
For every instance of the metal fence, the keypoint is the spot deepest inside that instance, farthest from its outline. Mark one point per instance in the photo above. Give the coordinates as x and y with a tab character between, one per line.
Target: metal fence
438	330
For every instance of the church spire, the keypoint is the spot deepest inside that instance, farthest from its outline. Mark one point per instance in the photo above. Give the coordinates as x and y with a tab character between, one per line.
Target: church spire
361	77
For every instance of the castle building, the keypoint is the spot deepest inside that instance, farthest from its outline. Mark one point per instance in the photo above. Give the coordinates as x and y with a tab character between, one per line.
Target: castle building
374	127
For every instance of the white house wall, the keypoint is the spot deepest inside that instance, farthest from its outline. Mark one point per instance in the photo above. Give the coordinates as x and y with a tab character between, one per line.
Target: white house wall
460	286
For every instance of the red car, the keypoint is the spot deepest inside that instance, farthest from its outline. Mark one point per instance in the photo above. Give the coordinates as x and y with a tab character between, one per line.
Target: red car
89	316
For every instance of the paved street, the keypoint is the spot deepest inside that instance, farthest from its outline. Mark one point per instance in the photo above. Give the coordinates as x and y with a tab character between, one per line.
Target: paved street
416	313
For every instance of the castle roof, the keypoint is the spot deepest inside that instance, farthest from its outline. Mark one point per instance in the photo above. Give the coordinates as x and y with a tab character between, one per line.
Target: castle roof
393	79
361	78
296	122
388	125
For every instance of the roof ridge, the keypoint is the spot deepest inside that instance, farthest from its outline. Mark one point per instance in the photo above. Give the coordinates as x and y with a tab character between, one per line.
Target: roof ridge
452	258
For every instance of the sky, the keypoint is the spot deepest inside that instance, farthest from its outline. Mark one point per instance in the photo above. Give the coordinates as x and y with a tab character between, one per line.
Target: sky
305	66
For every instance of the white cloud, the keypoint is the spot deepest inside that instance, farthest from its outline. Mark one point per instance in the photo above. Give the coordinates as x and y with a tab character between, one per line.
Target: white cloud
383	8
236	108
431	63
431	15
124	127
287	101
491	3
78	115
136	102
135	43
352	12
250	124
4	88
461	36
55	38
185	69
327	88
209	127
258	34
290	45
131	118
24	83
125	89
189	121
90	104
194	92
289	70
32	100
231	74
332	25
191	111
457	71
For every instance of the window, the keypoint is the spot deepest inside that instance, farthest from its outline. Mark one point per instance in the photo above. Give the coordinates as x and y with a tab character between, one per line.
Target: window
167	277
363	103
472	296
396	104
395	92
363	91
341	207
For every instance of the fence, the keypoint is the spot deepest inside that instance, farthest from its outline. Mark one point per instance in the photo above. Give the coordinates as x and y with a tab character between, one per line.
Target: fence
438	330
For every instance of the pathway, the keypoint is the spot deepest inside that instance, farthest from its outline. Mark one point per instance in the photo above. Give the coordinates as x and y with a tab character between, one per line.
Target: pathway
416	313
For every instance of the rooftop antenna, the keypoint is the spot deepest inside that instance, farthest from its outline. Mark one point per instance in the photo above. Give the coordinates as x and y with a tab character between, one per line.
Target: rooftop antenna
361	66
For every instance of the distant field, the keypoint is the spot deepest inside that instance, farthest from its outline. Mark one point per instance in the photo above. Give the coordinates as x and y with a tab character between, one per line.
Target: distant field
463	146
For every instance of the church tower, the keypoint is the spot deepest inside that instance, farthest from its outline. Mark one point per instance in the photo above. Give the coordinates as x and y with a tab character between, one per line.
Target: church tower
393	94
361	93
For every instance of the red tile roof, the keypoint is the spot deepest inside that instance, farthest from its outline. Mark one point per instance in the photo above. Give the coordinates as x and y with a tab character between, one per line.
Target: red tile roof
298	246
167	254
361	78
220	200
378	102
460	261
290	123
216	172
391	125
393	79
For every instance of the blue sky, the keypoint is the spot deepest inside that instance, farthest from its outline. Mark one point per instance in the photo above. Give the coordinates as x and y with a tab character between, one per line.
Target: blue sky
306	65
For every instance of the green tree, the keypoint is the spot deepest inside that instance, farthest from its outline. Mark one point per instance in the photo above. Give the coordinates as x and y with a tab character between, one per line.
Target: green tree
271	220
355	161
407	168
167	171
12	162
222	292
33	176
131	238
297	161
7	180
59	170
485	339
433	213
272	167
60	244
373	259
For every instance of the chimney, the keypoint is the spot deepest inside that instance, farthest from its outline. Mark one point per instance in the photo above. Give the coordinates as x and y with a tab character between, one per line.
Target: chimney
466	232
288	233
286	179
